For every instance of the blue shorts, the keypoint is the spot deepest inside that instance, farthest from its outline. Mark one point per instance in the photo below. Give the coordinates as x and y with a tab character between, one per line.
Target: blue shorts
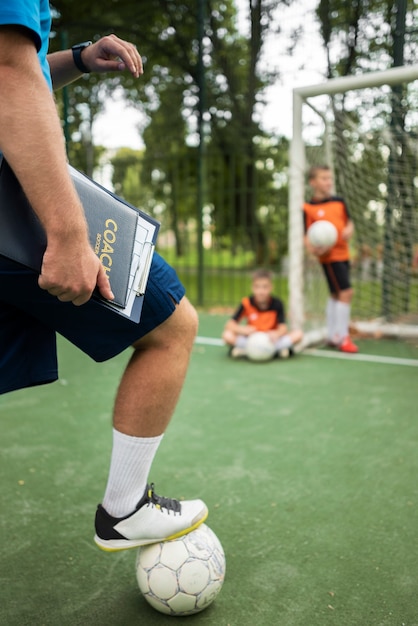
30	319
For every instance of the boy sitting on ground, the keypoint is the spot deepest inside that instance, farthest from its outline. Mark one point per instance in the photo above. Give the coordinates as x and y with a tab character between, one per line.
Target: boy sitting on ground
261	312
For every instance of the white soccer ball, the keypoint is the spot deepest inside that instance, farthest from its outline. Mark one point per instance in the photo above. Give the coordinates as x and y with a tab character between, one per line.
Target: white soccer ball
259	347
322	233
182	576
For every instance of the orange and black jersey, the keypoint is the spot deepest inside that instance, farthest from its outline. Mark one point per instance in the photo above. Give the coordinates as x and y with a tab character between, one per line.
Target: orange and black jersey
334	210
261	319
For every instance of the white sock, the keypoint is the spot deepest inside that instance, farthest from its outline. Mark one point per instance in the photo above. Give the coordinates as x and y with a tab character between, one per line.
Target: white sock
130	465
241	341
342	320
283	342
331	319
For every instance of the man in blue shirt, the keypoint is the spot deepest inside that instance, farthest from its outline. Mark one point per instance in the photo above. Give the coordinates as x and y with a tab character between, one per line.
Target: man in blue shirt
33	308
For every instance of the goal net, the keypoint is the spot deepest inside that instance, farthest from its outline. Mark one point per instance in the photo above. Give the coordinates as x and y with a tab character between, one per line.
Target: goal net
366	129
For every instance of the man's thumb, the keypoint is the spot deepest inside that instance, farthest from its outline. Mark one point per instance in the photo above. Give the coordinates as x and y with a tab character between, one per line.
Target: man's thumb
103	284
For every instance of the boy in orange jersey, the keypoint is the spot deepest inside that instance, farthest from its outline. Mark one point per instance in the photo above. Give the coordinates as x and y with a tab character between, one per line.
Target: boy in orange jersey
335	260
262	312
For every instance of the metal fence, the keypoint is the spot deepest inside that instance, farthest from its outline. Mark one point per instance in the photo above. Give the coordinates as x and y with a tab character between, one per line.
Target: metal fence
218	227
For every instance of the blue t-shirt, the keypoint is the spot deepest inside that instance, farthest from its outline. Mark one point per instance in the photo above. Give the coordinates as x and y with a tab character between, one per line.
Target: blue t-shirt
35	16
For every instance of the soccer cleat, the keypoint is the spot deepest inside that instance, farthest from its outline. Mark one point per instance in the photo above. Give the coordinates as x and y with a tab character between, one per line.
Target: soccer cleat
348	346
237	353
155	519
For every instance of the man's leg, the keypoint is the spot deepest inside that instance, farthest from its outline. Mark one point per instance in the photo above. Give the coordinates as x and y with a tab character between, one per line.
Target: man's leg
146	399
153	379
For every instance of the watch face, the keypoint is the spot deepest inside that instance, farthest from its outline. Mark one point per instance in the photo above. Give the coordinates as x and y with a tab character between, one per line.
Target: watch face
80	46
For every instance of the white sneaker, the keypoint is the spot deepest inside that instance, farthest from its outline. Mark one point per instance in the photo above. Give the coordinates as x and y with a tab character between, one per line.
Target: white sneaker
155	519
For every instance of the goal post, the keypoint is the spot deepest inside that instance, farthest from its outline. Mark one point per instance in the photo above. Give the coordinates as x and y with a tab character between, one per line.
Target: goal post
369	139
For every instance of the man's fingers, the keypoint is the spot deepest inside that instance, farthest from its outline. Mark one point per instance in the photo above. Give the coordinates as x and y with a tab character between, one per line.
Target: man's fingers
81	299
103	284
78	297
111	54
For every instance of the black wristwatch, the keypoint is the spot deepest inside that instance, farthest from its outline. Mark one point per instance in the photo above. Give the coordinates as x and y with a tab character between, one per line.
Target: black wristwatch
77	50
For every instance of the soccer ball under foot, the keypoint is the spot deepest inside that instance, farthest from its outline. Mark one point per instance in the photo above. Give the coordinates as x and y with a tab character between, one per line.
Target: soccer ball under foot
182	576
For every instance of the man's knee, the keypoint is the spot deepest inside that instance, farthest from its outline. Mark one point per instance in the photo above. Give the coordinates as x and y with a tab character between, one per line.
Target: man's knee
186	318
178	330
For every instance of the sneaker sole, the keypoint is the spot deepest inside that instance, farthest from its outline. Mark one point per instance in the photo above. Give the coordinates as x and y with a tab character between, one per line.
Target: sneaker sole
128	544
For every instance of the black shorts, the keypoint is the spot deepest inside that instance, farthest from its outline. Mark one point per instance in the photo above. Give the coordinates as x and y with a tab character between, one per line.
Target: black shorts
337	275
30	318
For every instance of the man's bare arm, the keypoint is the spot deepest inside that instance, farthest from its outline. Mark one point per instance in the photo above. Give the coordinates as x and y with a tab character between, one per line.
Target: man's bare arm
31	140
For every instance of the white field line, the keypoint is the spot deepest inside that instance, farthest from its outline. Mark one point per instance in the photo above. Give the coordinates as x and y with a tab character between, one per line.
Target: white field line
371	358
209	341
330	354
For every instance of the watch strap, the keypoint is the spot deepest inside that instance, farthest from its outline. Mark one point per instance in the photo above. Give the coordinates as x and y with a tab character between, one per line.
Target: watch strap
78	61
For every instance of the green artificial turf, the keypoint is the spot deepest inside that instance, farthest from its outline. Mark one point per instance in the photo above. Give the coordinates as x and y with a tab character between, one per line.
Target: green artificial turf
308	466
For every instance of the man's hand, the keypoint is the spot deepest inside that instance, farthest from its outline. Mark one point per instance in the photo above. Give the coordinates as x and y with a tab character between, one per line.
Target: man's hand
111	54
72	272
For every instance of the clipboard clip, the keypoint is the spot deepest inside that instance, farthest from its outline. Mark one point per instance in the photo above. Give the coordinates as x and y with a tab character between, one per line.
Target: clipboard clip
143	269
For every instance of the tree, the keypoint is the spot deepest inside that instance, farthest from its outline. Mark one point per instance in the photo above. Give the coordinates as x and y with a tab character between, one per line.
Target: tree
166	33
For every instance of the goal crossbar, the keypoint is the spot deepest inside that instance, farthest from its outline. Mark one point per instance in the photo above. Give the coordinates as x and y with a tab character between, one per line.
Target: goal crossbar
392	76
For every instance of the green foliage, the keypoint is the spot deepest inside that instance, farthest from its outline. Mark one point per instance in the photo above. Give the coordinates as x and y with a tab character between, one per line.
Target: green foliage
201	72
127	164
165	186
359	36
83	155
